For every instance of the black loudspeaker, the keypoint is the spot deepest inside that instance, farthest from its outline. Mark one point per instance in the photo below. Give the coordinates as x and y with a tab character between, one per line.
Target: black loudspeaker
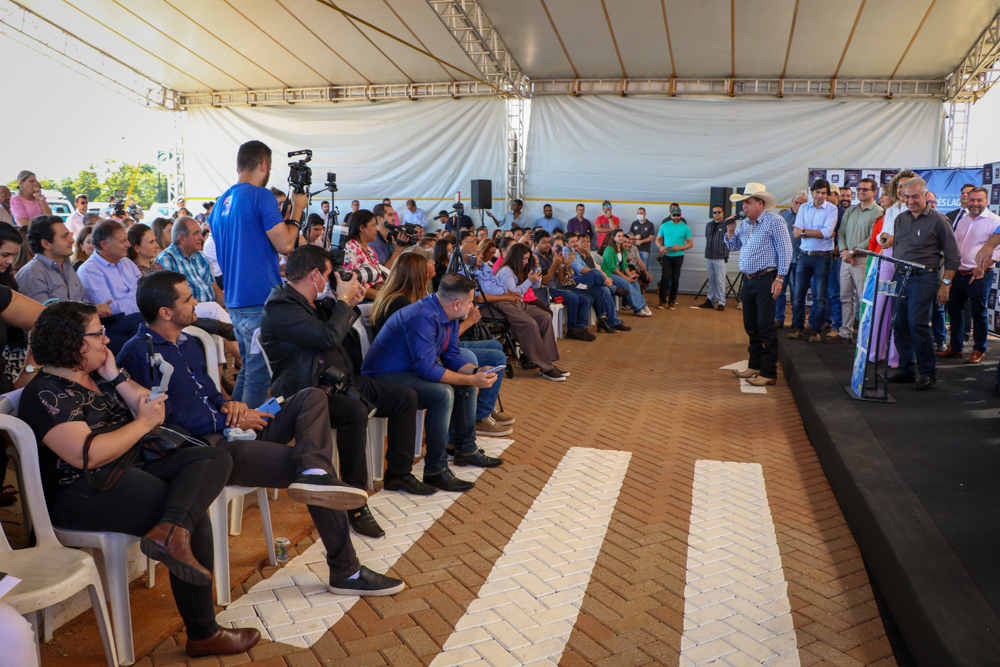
738	206
482	193
720	197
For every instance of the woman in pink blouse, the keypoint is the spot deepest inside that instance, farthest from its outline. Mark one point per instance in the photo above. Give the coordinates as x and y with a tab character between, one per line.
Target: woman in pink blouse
362	231
29	202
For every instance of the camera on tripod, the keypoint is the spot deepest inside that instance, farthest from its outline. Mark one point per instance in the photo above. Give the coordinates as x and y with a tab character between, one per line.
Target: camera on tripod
300	174
119	204
407	228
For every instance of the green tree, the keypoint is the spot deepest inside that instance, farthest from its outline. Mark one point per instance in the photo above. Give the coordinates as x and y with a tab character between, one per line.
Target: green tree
100	182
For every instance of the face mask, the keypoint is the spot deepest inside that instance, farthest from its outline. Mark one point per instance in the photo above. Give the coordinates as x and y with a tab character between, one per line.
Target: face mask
325	292
642	216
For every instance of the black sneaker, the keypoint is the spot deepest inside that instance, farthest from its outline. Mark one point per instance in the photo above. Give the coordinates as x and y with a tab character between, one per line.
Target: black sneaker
364	523
580	333
367	583
565	374
720	307
477	458
708	304
408	483
326	491
447	481
553	375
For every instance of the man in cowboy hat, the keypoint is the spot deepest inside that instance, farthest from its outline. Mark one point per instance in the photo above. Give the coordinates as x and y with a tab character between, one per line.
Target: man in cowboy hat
765	253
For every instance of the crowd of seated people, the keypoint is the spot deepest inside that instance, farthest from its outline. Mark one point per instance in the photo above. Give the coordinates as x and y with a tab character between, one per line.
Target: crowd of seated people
113	286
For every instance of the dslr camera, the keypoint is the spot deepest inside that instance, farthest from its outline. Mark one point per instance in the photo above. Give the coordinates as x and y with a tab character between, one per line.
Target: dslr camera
299	173
407	228
335	381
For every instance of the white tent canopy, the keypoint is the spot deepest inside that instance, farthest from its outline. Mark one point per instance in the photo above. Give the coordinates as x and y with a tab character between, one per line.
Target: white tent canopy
195	46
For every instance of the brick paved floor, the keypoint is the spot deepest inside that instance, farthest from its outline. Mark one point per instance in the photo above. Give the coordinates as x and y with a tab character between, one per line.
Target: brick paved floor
657	393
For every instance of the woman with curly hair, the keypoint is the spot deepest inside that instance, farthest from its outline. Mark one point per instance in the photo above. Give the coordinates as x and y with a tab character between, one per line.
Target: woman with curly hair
96	478
882	234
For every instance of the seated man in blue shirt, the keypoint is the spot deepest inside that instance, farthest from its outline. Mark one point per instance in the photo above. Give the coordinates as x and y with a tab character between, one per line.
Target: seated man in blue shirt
418	346
195	404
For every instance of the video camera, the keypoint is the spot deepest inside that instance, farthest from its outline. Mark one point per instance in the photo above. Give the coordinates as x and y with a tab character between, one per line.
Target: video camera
299	174
407	228
119	204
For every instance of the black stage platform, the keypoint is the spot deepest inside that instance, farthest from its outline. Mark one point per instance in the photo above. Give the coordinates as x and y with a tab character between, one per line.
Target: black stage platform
919	483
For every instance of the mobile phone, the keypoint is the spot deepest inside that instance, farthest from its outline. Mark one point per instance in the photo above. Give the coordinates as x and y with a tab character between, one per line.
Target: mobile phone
273	405
495	369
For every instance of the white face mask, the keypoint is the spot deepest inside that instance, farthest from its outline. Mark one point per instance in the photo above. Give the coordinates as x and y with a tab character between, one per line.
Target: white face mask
326	291
642	216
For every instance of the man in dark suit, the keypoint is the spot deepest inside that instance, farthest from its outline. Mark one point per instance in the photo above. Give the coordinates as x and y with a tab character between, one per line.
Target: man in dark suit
959	213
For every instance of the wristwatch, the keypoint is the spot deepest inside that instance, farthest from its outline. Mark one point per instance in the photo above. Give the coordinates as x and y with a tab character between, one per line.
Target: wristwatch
123	376
30	369
946	281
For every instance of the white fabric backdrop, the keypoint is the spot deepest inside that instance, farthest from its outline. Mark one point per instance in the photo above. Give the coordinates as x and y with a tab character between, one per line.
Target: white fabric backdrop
424	150
652	151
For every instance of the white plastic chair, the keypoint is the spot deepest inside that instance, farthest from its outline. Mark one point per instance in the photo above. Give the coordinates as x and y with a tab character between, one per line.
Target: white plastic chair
221	530
111	557
378	428
558	318
49	572
210	347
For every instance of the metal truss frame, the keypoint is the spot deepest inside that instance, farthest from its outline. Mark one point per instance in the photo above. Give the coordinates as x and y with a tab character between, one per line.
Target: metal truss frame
472	29
715	87
979	69
35	32
957	133
334	94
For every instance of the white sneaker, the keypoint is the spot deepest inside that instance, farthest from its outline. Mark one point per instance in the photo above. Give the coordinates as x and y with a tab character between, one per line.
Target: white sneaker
647	312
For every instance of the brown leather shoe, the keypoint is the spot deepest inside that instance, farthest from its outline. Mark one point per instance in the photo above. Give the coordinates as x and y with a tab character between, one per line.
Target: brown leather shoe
761	381
975	358
171	545
224	642
747	374
834	337
796	334
949	352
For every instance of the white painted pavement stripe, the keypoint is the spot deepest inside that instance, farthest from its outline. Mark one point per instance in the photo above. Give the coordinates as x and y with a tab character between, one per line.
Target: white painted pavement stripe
736	608
294	607
528	606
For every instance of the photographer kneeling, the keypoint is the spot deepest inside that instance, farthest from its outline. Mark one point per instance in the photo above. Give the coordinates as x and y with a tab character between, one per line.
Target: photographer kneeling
310	342
419	347
195	404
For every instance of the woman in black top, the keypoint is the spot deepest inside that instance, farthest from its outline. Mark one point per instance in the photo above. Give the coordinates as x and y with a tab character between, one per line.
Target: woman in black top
442	255
81	398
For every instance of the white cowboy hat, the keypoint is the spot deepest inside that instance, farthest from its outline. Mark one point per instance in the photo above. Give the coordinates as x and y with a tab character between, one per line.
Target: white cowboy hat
760	192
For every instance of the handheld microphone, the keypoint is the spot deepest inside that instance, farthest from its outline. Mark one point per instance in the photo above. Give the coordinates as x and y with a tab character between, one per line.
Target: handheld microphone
739	216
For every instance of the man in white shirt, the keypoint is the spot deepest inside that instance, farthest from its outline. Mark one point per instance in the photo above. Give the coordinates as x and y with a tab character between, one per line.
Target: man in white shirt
815	225
963	210
74	222
971	283
5	214
414	215
512	217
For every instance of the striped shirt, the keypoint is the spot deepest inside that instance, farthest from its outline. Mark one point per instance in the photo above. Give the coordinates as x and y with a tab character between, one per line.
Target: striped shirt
763	244
715	237
195	268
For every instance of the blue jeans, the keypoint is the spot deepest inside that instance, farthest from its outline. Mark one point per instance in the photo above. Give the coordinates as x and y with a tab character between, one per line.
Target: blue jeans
577	304
486	353
911	326
976	292
604	303
780	304
644	256
635	300
938	328
833	294
813	269
450	409
253	381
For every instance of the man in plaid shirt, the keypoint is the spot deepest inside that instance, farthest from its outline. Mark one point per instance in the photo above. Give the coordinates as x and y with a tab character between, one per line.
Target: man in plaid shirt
184	256
765	253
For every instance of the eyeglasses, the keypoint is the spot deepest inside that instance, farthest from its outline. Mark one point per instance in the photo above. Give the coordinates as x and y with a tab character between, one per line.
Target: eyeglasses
97	333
